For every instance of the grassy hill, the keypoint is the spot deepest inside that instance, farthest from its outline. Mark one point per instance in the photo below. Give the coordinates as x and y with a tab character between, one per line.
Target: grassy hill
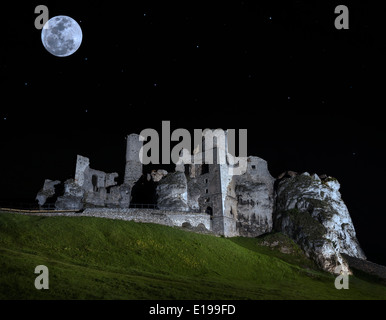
94	258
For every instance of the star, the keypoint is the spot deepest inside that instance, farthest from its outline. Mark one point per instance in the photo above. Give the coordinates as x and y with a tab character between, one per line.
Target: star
5	118
26	83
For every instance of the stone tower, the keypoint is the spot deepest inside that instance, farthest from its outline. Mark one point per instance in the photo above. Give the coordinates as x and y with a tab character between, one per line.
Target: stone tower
133	170
216	196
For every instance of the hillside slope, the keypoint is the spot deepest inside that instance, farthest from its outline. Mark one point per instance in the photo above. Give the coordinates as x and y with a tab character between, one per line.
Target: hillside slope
94	258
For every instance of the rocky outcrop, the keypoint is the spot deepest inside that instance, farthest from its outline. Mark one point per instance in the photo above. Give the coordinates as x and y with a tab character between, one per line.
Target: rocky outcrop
312	212
255	199
194	194
172	192
375	271
47	191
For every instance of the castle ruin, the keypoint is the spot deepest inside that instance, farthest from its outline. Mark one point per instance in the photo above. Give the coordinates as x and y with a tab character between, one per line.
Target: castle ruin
209	197
232	204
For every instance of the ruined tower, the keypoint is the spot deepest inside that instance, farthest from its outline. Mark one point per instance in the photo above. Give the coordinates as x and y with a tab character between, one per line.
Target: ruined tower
133	170
214	181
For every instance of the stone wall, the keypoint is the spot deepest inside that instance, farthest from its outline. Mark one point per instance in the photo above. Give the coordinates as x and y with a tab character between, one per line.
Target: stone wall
162	217
47	191
82	163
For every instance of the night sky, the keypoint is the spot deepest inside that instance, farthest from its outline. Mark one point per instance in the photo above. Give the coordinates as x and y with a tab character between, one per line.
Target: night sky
311	96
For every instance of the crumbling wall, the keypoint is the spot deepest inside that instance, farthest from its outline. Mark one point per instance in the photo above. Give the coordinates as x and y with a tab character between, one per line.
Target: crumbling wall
82	164
209	191
94	183
229	201
205	194
110	179
164	217
47	191
90	188
72	198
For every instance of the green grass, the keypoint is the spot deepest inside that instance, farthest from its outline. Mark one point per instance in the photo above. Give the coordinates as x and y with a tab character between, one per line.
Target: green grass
94	258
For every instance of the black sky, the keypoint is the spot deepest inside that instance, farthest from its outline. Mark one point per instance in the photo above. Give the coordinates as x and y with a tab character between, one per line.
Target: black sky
311	96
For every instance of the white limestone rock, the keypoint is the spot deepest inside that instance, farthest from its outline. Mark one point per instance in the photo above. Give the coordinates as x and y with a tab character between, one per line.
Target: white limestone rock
312	212
194	194
157	175
172	192
254	191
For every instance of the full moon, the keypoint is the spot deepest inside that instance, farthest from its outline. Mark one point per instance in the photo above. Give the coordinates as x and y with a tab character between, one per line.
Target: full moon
61	36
